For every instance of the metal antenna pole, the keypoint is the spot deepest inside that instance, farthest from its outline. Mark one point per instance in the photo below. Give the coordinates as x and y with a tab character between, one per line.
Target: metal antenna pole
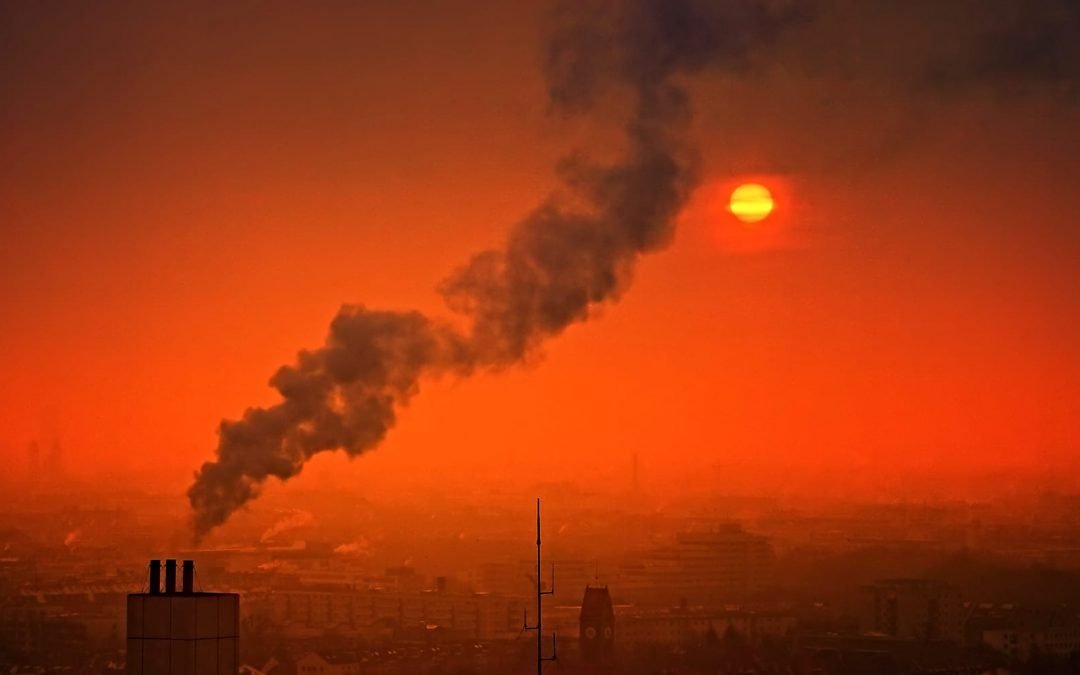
540	593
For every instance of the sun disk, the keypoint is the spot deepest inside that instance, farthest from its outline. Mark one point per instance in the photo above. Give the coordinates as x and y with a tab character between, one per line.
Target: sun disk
751	203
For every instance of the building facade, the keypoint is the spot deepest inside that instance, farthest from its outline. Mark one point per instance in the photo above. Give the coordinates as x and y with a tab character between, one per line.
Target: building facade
683	628
1020	644
914	609
715	567
479	616
182	632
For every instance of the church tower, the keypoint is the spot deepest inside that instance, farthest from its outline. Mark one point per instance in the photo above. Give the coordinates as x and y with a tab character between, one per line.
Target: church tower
597	624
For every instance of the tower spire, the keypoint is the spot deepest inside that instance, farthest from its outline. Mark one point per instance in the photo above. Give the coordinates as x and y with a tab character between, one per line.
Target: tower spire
540	593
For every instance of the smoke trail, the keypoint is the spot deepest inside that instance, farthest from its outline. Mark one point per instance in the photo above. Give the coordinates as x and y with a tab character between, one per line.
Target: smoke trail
574	252
292	520
358	548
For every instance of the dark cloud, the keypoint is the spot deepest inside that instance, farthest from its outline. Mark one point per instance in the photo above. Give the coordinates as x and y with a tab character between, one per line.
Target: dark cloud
1034	43
940	47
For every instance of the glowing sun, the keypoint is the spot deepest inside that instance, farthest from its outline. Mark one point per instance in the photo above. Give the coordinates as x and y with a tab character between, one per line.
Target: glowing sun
751	203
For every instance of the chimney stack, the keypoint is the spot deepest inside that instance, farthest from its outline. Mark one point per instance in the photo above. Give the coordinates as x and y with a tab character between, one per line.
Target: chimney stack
155	577
170	577
188	576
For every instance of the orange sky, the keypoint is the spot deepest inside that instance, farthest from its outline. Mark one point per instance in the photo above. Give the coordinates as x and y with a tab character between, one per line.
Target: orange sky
187	199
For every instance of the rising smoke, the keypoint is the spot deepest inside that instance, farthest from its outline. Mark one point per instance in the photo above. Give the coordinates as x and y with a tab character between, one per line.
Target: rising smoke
574	252
294	519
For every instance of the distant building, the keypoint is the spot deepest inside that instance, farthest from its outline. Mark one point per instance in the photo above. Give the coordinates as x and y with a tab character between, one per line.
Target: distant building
1021	643
690	627
713	567
376	614
182	632
914	609
27	628
882	654
597	625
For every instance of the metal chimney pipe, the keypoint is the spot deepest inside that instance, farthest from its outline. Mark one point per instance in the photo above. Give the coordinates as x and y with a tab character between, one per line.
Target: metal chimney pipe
188	577
170	577
155	577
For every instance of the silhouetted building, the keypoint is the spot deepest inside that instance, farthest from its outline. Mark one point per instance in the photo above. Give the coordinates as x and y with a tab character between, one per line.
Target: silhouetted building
53	463
597	622
915	609
182	631
712	567
695	626
372	613
881	655
33	631
1047	634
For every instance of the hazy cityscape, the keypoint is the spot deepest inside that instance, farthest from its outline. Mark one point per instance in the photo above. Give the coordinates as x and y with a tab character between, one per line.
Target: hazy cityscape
539	337
442	581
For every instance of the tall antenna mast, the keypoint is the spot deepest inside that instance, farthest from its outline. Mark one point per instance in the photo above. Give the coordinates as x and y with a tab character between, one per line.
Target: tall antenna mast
540	593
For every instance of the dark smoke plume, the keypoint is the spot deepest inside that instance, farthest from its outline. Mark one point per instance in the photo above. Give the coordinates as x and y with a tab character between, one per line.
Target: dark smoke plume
574	252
